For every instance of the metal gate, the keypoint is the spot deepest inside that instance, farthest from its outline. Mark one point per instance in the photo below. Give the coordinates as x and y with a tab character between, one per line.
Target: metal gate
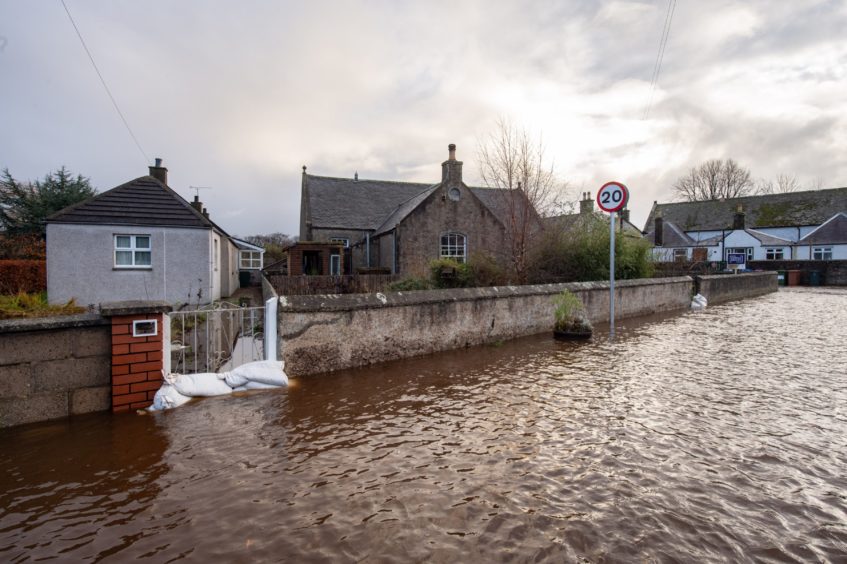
216	338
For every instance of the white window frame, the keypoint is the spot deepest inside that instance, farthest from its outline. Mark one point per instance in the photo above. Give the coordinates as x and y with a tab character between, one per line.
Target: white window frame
335	265
680	255
134	251
824	252
145	328
250	260
453	245
771	252
748	252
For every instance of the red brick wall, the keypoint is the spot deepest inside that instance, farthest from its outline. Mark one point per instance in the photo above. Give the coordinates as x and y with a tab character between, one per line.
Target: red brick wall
136	363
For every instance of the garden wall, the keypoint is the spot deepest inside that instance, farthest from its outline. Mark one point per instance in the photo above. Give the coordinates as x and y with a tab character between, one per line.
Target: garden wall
324	333
724	287
54	367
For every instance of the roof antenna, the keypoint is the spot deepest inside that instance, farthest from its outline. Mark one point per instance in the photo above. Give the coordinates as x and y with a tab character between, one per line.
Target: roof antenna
197	190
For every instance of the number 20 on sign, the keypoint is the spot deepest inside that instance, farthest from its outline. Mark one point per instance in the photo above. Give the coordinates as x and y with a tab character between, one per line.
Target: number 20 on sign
612	197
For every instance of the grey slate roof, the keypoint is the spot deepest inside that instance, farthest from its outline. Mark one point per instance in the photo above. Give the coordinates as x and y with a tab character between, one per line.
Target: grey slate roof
767	240
142	201
403	210
672	236
377	205
356	204
773	210
832	232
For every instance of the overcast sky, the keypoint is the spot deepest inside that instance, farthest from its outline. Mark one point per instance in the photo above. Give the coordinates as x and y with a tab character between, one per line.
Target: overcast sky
239	96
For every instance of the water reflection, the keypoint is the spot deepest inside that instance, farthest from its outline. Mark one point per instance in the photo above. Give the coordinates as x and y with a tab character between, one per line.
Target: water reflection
708	436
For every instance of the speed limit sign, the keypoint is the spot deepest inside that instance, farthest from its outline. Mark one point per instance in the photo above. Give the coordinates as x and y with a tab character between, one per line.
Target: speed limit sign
612	197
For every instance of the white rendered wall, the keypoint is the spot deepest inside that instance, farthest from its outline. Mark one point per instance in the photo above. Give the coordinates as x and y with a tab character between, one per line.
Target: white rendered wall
80	265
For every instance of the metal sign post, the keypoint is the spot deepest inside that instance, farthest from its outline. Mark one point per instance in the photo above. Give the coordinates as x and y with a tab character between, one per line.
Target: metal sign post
612	197
612	274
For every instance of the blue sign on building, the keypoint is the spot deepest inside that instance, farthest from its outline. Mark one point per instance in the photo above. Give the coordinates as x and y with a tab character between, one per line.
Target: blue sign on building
736	258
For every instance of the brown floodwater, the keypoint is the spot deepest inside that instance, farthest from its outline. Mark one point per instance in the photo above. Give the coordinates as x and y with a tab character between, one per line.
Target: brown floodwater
707	436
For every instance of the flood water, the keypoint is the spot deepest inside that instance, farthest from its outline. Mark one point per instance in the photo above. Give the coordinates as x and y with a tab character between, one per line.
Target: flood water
707	436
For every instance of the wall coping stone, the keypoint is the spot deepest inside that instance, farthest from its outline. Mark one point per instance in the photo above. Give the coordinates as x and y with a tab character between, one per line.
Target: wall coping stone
740	275
22	325
348	302
133	307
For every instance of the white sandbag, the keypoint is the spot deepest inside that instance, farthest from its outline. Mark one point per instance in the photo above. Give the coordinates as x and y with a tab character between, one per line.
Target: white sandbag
263	371
233	380
255	386
167	397
699	302
204	384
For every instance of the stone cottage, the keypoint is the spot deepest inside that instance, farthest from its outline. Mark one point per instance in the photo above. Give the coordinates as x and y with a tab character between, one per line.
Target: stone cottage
401	226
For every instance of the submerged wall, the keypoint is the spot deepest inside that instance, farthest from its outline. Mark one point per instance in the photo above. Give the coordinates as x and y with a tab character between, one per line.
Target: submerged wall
724	287
54	367
324	333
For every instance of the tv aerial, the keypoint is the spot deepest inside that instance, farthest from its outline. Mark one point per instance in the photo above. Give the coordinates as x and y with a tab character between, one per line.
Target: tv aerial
198	188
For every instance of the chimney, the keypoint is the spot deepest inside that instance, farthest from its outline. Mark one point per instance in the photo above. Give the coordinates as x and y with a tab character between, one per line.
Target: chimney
159	172
624	215
658	230
586	205
451	169
197	204
738	218
205	213
356	176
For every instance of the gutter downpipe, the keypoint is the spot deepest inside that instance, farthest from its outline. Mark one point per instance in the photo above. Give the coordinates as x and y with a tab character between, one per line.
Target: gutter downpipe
368	248
394	252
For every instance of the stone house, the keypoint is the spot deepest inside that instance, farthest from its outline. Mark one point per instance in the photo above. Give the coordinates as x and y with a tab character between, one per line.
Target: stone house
809	225
139	241
400	227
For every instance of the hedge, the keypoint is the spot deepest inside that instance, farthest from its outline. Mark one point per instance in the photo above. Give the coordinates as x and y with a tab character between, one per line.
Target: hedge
22	276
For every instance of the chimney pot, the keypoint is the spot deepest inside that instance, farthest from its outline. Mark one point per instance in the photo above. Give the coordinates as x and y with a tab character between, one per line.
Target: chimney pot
452	149
159	172
451	169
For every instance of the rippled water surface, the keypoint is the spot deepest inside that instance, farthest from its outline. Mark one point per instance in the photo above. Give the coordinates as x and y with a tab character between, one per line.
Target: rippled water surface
710	436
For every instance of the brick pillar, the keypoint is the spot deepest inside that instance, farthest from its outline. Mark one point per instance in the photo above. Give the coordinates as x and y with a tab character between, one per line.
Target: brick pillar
140	353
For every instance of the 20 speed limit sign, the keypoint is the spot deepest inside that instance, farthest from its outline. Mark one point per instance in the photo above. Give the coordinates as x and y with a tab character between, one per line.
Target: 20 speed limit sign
612	197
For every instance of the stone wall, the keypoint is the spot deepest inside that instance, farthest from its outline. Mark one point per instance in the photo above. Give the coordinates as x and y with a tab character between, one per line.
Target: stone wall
324	333
419	239
54	367
724	287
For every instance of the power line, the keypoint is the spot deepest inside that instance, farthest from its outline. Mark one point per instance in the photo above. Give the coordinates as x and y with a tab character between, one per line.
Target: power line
660	56
105	86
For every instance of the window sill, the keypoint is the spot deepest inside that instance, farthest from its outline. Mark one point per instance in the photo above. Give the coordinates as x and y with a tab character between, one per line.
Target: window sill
120	268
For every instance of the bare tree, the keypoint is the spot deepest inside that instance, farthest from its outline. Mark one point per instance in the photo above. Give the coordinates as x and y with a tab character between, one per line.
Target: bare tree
515	165
715	179
784	183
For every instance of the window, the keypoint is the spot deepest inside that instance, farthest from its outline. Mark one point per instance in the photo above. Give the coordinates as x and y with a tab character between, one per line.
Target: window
454	246
133	251
334	265
341	241
822	253
251	260
680	255
746	251
773	254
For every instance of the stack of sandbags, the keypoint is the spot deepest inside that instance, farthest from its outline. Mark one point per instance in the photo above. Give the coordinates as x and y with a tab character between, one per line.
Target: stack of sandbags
179	388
